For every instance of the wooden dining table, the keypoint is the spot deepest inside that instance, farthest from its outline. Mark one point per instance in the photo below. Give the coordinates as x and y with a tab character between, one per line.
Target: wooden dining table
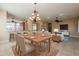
38	38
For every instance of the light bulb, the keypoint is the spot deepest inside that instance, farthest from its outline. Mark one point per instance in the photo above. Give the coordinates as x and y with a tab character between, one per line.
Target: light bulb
37	17
30	18
32	13
33	17
37	14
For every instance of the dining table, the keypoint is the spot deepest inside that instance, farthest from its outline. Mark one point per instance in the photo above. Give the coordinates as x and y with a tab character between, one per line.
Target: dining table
38	38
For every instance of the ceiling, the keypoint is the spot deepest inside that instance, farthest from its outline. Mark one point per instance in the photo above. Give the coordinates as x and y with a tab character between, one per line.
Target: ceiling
47	11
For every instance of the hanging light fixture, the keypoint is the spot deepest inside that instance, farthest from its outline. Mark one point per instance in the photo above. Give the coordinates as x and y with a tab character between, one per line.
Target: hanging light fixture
35	16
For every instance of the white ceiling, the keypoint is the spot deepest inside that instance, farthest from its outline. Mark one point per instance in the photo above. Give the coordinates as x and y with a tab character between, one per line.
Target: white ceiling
46	10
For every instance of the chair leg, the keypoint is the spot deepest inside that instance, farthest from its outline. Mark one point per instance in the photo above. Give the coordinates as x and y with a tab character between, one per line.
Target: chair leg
17	48
19	52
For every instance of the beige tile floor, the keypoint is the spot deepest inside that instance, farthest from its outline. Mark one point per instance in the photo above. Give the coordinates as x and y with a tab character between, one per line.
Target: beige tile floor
66	48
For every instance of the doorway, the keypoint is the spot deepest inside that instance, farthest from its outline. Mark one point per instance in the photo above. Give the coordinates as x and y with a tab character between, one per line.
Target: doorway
50	27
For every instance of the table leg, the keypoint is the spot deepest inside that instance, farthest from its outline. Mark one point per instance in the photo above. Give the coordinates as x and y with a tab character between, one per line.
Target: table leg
49	44
31	42
37	47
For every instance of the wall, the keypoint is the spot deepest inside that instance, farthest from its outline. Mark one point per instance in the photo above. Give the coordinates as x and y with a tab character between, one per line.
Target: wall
78	26
4	36
72	25
40	25
29	22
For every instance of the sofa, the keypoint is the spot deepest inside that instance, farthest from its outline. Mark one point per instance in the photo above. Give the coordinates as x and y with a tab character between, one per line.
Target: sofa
63	34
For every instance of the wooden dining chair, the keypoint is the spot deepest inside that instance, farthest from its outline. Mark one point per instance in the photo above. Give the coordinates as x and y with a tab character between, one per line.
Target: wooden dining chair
21	47
11	38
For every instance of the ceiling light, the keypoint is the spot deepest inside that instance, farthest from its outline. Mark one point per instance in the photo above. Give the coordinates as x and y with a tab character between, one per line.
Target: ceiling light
35	16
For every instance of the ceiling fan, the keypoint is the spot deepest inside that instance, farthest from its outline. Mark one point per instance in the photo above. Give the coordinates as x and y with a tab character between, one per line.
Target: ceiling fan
58	20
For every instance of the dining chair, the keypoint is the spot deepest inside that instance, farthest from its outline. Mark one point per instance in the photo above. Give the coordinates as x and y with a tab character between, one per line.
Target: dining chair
21	47
11	38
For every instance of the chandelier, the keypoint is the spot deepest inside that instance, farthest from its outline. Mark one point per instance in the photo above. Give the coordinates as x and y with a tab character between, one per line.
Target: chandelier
35	16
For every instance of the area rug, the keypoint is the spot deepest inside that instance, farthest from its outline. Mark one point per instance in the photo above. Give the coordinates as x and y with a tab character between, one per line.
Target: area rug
43	52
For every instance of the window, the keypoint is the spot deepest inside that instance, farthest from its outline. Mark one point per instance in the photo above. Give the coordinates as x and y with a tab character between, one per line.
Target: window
34	27
17	26
11	26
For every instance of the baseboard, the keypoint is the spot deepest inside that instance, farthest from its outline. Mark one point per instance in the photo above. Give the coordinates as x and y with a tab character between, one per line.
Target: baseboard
76	36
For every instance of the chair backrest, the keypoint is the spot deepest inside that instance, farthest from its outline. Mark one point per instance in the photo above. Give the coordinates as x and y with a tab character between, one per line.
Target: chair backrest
20	42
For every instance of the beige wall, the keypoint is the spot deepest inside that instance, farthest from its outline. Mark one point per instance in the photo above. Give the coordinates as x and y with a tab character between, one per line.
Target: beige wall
44	24
4	36
40	25
72	25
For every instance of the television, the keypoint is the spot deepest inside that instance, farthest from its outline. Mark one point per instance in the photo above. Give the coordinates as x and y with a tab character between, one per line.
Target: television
64	27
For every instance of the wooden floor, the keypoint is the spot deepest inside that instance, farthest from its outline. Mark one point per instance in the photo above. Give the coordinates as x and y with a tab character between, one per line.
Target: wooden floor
68	47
